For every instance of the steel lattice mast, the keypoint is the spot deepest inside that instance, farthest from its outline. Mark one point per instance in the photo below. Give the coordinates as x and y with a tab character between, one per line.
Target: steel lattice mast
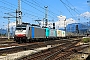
19	13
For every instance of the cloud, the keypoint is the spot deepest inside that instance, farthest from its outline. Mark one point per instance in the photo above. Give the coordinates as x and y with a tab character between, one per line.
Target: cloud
61	17
70	20
85	14
61	22
12	24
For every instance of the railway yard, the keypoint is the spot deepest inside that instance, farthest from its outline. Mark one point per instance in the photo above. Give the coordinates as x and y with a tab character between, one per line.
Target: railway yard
44	30
62	49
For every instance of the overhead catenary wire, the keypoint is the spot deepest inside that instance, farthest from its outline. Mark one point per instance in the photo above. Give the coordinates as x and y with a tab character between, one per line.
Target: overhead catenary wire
27	2
6	8
13	6
34	4
50	6
74	10
78	12
66	7
7	3
49	11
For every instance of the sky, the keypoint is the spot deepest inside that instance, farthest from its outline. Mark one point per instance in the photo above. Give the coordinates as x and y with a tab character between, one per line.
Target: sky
74	11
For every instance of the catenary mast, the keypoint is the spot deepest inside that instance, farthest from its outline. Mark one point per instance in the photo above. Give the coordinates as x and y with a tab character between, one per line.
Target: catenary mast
19	13
46	19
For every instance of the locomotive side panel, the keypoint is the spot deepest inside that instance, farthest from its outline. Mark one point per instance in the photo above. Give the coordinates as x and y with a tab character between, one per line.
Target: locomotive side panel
32	32
59	33
52	33
47	31
38	32
63	34
29	33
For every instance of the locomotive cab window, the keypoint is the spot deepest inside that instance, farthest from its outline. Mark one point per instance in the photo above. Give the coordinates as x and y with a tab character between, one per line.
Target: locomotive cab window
21	27
29	28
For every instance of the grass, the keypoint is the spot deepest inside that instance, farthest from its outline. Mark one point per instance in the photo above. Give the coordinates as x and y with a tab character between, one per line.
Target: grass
86	40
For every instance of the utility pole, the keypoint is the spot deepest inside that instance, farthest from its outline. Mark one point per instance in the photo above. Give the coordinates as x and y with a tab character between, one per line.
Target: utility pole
8	25
46	20
16	17
43	22
88	29
8	29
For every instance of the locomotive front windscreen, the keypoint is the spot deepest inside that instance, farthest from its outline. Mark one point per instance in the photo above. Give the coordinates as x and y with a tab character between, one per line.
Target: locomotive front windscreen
21	27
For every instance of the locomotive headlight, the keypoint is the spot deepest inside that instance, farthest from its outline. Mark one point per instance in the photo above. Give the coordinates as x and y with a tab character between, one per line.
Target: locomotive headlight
24	34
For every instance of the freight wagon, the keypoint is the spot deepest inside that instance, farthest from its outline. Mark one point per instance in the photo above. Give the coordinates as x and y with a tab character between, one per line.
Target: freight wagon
59	33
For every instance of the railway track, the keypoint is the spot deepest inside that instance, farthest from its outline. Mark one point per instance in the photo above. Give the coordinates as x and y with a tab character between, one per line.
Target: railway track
57	47
15	47
5	38
59	52
65	53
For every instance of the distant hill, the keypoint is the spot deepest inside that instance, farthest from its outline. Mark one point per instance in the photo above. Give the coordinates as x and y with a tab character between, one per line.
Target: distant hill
3	31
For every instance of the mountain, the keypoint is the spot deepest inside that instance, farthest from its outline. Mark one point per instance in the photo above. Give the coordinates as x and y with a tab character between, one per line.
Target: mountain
3	31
